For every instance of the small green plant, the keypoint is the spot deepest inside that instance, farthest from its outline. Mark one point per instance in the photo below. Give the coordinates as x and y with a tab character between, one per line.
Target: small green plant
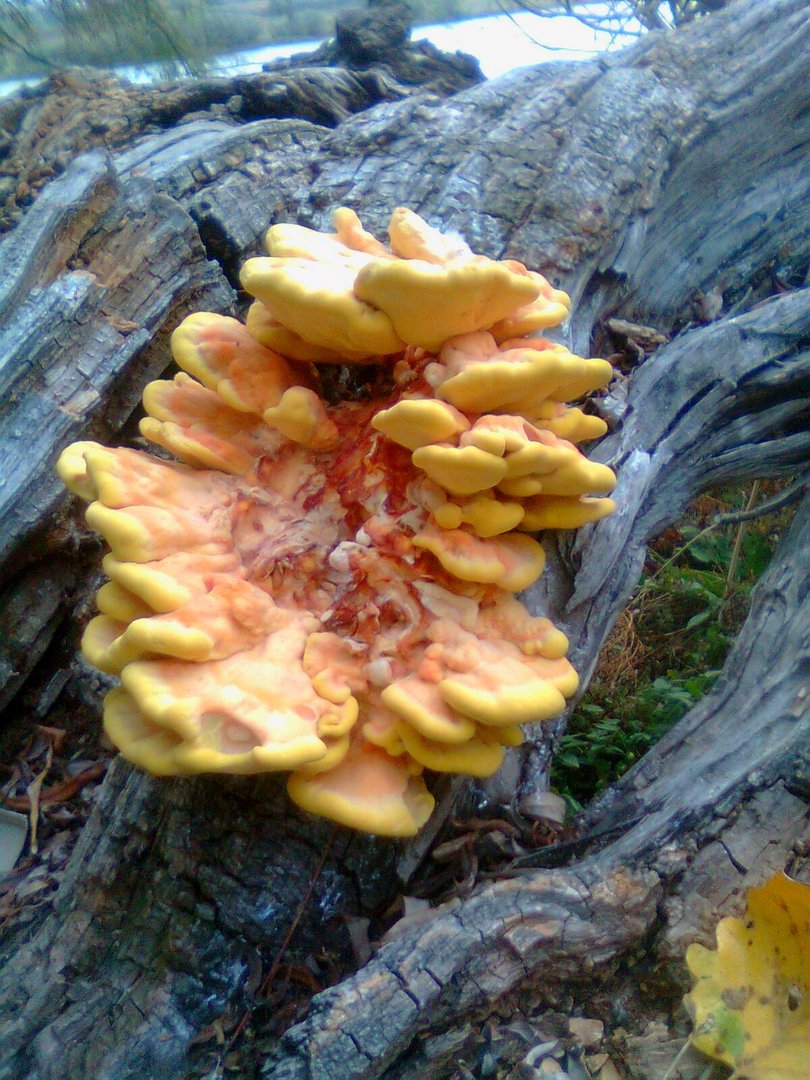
667	650
605	739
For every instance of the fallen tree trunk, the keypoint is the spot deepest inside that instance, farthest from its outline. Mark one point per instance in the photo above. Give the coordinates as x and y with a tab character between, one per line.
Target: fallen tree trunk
653	185
540	929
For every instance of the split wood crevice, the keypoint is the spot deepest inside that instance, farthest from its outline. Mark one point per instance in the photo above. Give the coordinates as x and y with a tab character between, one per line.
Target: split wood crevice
609	177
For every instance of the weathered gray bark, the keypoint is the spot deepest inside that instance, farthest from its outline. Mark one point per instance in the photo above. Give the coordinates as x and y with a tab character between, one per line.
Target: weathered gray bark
641	183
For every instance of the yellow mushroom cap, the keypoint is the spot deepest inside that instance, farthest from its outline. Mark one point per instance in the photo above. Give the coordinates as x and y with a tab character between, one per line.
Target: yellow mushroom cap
351	233
221	353
196	425
336	751
575	375
415	422
142	742
591	373
521	487
258	698
561	512
183	401
120	604
71	468
505	705
128	480
550	308
475	757
200	429
291	241
513	561
379	726
261	325
508	620
461	470
145	533
486	515
505	382
570	423
300	416
483	676
508	735
541	458
579	476
110	645
420	703
369	790
231	615
168	583
317	302
427	303
498	434
476	374
412	238
197	447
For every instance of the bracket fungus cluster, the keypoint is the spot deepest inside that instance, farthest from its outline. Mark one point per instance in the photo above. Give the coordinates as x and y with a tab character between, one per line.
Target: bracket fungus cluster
329	588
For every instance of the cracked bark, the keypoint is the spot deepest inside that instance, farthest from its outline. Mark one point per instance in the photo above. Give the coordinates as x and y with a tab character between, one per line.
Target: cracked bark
613	177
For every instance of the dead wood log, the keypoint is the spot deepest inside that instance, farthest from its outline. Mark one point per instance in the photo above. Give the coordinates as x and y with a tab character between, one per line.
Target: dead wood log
43	128
747	742
610	176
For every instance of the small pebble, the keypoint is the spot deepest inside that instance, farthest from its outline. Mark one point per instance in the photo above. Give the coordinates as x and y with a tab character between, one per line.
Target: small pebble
609	1072
586	1032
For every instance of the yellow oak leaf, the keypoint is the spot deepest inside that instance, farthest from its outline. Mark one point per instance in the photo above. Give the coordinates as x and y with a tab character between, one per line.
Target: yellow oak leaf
751	999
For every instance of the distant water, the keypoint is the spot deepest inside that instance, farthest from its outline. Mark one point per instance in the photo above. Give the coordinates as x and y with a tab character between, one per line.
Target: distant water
501	43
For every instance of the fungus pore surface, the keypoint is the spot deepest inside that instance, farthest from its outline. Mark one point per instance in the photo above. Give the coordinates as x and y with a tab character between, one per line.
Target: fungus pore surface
329	588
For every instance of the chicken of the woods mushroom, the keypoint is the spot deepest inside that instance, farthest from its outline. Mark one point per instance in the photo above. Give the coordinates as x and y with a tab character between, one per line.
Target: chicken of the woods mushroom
329	588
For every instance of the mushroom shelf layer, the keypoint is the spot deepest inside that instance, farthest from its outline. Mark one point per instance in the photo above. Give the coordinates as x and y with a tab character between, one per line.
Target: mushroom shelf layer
327	588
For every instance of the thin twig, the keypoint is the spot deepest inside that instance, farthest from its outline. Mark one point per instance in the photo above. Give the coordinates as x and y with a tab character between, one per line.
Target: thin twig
32	791
738	539
59	792
8	37
299	913
677	1060
271	974
676	555
778	502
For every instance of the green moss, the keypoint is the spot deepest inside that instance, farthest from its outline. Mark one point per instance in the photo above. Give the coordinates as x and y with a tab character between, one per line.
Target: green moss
669	647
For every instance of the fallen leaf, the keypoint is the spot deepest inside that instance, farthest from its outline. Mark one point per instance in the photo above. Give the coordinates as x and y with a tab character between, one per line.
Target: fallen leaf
56	736
56	793
416	910
751	999
13	830
358	935
33	791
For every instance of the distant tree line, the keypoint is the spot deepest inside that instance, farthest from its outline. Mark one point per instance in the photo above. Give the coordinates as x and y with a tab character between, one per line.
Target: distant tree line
181	35
619	16
178	35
